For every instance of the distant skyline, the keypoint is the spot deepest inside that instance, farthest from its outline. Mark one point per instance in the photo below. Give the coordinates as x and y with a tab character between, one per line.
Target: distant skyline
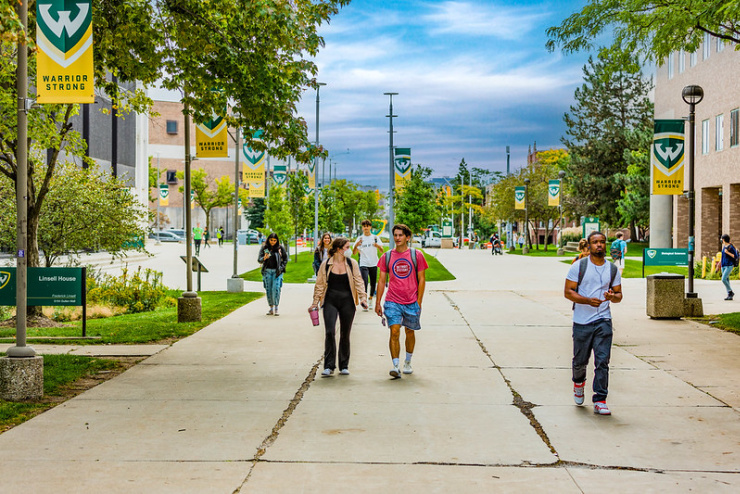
472	77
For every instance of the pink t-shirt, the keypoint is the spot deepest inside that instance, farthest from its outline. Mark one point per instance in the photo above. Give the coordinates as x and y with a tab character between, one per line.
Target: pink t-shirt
403	286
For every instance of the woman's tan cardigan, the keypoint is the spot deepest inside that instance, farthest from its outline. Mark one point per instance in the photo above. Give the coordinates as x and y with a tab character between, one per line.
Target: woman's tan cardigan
355	282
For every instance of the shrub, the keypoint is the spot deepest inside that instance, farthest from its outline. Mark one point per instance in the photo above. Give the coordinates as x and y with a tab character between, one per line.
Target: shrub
140	292
572	234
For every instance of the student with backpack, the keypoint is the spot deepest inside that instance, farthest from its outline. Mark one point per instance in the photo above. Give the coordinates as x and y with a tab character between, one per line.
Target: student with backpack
618	250
592	285
404	268
728	263
369	247
339	288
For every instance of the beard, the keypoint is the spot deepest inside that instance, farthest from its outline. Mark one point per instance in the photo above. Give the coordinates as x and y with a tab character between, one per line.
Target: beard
598	253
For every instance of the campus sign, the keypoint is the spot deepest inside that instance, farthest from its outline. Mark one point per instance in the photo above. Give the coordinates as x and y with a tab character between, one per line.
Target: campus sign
46	286
667	157
590	224
65	51
666	257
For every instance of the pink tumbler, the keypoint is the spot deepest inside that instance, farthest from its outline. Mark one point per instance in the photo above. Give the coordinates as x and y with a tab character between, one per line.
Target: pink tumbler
314	316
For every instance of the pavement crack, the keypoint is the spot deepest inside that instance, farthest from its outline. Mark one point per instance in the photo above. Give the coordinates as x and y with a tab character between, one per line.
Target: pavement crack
525	407
272	437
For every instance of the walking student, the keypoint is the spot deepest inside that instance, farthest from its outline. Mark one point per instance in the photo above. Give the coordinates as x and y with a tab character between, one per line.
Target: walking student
339	287
404	268
273	258
321	253
592	285
369	247
197	238
618	250
220	236
583	250
728	263
206	237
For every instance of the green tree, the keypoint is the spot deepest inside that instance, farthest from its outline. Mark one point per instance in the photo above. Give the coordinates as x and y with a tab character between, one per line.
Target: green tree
416	204
298	200
277	215
209	193
255	213
634	205
654	28
84	209
610	105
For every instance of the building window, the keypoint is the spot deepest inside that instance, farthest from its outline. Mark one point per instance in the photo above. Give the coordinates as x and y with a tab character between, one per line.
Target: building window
734	127
670	66
692	59
707	46
171	177
719	134
172	126
705	137
681	61
720	44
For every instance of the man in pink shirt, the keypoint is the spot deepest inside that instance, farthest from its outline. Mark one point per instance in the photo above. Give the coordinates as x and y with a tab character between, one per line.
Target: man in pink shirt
402	305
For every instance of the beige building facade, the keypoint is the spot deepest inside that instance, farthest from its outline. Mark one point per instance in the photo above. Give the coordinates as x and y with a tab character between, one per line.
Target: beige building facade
715	66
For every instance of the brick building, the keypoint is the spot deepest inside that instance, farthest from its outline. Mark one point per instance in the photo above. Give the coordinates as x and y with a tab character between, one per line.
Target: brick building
714	67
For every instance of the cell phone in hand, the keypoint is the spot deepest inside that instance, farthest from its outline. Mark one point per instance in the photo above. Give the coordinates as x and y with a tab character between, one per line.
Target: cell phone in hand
383	320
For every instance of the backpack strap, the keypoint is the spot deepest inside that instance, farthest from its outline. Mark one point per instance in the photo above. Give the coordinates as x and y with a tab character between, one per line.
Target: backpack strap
387	257
583	264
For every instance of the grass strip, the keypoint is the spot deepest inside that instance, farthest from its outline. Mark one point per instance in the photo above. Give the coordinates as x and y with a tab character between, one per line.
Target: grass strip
158	326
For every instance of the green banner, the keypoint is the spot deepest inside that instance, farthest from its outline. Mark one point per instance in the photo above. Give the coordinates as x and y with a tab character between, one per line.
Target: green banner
46	286
280	174
667	157
666	257
402	163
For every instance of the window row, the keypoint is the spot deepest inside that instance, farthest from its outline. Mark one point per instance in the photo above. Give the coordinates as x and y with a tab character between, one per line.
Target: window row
719	132
706	51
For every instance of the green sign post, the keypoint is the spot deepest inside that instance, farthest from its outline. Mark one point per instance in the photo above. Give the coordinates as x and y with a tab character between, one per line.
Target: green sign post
664	257
48	287
590	224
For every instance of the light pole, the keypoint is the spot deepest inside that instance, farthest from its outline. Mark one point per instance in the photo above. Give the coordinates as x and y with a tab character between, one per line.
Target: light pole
525	248
235	284
692	95
509	232
561	250
316	184
391	170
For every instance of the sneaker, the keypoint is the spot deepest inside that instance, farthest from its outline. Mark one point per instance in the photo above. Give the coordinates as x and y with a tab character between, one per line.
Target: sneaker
275	313
578	392
407	368
344	372
270	312
327	373
600	408
730	296
395	372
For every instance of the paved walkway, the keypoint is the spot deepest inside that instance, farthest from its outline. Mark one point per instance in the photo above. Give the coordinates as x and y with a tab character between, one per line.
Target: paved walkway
237	407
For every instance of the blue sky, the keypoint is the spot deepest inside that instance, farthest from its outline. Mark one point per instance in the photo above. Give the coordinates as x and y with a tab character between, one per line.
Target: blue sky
472	76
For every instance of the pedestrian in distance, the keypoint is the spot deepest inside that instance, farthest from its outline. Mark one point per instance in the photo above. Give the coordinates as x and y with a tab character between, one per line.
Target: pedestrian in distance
273	258
583	250
404	268
197	238
321	252
521	241
339	289
220	236
370	247
592	284
729	261
206	237
617	251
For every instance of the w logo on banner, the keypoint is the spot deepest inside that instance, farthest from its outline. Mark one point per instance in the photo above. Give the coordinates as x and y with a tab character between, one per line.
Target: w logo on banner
519	196
667	157
403	161
669	152
4	278
254	158
212	127
651	253
281	174
553	193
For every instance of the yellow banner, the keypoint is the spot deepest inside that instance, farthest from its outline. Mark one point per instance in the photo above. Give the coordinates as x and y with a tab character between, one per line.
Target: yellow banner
257	189
401	181
553	193
519	198
667	157
311	180
211	139
65	52
164	195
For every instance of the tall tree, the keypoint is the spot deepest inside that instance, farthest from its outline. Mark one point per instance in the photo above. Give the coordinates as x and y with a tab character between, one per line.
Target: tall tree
277	215
634	205
655	28
416	203
611	103
298	200
208	192
255	213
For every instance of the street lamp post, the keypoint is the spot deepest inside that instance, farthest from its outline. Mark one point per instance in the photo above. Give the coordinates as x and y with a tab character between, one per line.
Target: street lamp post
561	245
525	248
316	184
391	170
692	95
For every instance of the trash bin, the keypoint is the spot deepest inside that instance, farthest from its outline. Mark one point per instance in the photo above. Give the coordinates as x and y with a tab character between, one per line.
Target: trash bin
241	236
665	296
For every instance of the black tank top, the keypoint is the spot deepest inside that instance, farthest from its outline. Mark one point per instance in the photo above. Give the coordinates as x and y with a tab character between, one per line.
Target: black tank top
338	283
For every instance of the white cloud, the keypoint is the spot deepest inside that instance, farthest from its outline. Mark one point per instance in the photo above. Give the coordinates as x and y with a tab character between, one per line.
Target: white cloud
478	20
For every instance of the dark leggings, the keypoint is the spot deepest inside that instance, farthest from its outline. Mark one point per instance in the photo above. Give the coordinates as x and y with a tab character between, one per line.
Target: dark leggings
372	274
342	305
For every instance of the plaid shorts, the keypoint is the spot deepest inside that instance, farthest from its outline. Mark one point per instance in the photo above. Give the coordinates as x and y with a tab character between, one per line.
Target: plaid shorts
406	315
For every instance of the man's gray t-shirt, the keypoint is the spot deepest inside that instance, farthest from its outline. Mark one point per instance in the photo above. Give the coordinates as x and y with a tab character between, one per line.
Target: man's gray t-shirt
595	283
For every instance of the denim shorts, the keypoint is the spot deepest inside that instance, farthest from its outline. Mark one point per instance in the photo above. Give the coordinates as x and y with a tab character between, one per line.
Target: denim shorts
407	315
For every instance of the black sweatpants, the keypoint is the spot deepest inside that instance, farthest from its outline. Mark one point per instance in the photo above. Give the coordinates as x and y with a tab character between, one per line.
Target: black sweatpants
372	274
338	304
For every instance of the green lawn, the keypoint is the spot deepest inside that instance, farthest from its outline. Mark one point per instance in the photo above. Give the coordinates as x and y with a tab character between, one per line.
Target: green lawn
301	270
59	371
145	327
729	322
551	251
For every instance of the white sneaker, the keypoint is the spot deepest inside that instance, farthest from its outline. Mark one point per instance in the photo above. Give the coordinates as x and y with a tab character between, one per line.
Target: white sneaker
344	372
578	392
275	313
407	368
327	373
395	372
270	312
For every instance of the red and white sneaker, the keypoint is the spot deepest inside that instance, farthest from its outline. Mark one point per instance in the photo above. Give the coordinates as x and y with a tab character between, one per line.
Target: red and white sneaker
578	392
600	408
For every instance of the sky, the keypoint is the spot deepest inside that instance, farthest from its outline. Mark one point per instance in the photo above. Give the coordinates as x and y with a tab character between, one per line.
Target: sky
473	76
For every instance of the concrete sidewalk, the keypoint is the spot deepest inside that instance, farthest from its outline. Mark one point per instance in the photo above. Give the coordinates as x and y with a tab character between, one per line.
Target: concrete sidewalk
237	407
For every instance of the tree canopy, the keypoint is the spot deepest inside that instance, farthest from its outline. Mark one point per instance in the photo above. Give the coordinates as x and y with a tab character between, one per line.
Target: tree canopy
416	204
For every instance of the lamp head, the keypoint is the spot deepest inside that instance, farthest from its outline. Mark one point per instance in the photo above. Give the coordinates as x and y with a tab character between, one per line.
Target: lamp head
526	181
692	94
561	174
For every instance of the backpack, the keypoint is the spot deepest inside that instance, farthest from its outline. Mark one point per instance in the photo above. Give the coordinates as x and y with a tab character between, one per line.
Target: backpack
616	250
583	265
349	266
735	260
387	258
